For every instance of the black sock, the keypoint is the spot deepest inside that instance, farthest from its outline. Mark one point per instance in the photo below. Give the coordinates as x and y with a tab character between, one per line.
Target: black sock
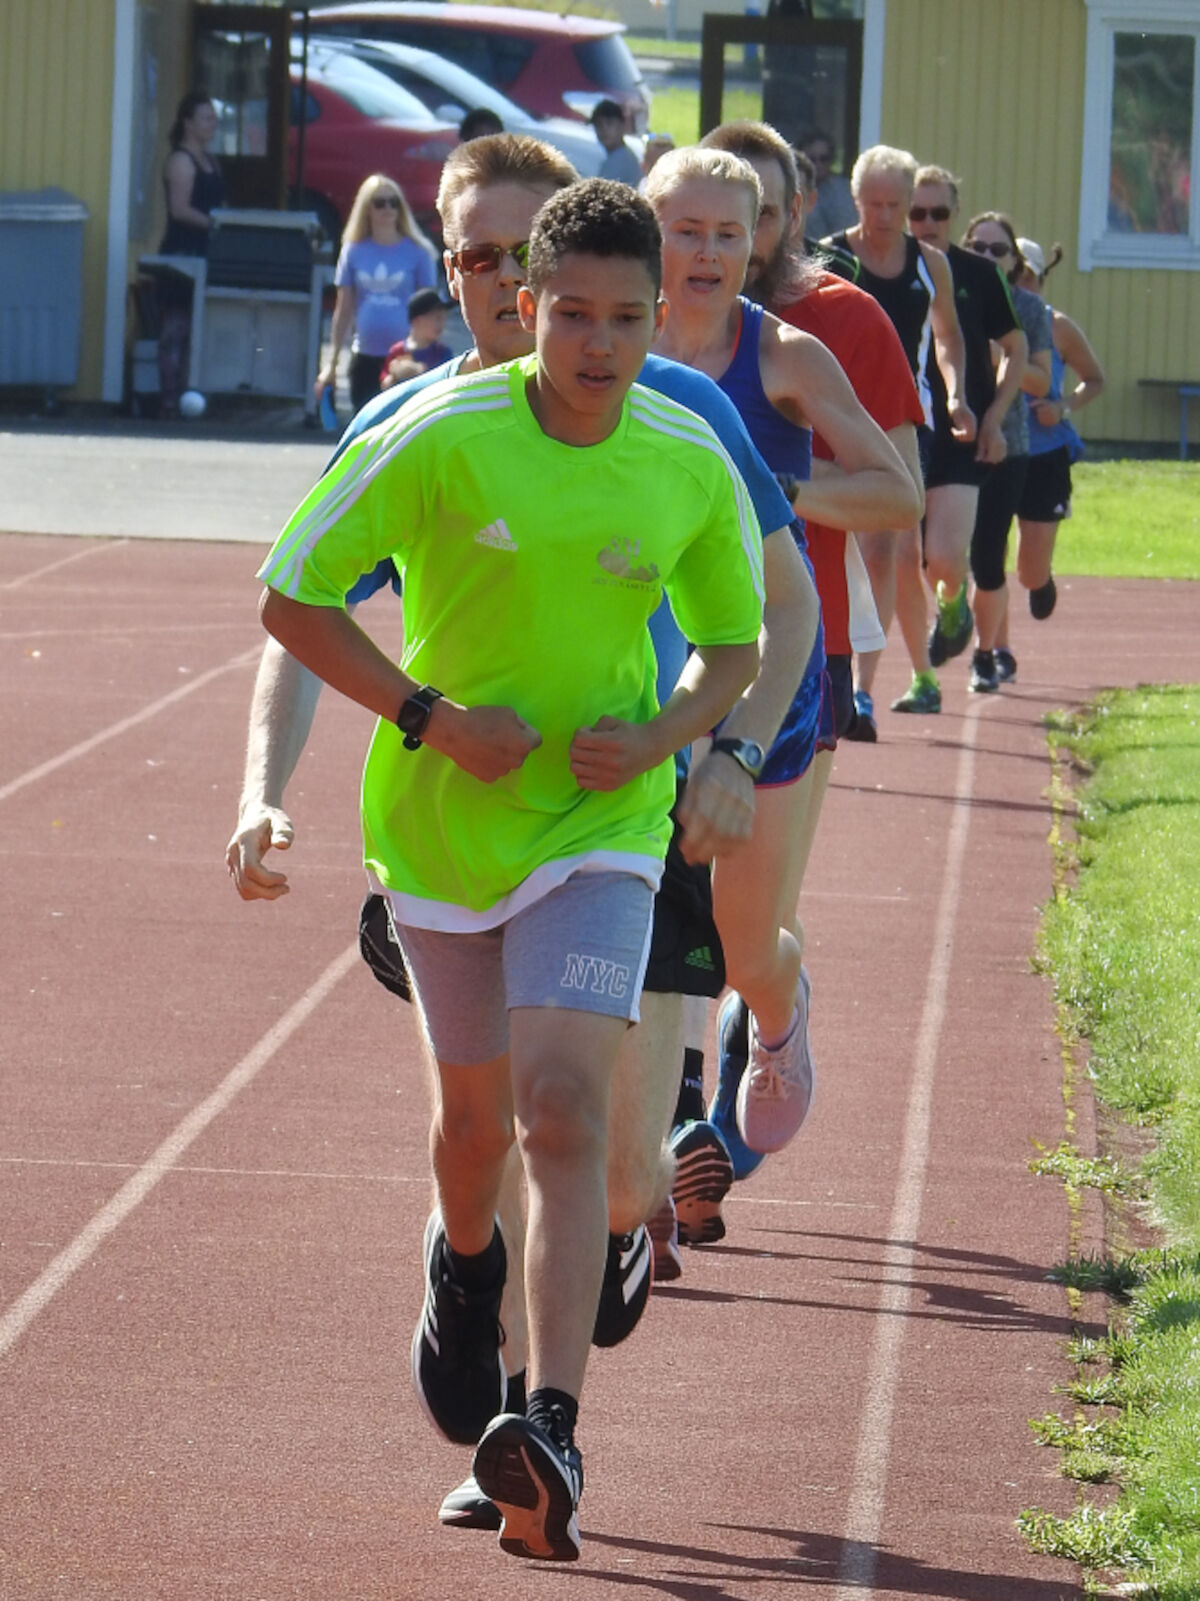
554	1411
478	1272
516	1393
690	1106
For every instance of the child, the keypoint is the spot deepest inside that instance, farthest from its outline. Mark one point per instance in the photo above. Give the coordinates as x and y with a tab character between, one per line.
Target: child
537	511
620	162
422	350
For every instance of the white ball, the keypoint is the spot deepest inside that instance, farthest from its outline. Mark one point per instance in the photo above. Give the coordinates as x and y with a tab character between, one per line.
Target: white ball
192	403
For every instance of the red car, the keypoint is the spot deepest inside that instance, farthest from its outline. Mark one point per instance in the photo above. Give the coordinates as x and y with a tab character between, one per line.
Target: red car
551	65
356	122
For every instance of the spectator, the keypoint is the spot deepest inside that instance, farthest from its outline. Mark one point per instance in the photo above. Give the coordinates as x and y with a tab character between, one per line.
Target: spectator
479	124
833	208
385	256
620	162
423	349
194	189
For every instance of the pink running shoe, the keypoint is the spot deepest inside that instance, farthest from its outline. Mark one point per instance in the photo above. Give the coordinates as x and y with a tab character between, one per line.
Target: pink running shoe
777	1088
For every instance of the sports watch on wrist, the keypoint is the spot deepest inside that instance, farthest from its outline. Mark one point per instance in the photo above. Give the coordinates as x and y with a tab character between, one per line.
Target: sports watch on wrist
413	717
749	756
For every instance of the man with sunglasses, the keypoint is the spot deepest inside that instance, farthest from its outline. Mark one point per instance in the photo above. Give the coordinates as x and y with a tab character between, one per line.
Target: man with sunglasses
956	470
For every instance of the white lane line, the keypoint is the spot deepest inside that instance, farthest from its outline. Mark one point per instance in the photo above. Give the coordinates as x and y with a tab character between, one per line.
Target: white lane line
46	1286
864	1519
44	769
92	549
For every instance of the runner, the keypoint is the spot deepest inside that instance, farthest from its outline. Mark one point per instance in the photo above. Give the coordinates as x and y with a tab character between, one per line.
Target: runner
782	380
912	283
957	469
519	845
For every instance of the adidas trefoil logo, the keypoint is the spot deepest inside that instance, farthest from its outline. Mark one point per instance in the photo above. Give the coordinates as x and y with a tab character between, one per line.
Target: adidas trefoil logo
496	535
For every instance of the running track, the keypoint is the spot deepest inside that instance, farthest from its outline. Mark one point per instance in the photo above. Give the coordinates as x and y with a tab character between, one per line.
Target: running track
213	1176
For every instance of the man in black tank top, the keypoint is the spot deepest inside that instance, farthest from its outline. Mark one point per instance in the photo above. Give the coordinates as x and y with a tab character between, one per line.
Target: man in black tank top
986	315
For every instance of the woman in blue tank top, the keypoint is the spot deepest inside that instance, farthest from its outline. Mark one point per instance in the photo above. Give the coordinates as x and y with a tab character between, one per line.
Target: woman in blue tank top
784	383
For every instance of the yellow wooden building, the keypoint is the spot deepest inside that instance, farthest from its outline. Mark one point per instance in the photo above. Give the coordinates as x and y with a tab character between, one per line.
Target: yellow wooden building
1033	103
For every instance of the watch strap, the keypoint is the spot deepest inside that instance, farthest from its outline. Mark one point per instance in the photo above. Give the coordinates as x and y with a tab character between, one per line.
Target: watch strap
413	717
739	749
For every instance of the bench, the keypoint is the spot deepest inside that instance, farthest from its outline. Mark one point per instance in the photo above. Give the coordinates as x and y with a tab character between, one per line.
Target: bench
1187	390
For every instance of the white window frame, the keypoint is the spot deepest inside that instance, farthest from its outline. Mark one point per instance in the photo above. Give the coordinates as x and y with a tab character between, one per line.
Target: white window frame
1097	246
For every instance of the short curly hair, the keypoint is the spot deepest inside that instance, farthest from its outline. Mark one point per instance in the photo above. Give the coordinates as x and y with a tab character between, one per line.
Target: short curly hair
596	217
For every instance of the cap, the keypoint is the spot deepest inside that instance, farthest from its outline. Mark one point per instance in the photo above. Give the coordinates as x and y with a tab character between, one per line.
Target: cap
1035	256
606	108
422	301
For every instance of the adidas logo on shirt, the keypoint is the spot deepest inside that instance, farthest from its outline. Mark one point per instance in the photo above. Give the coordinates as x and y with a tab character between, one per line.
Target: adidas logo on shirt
496	535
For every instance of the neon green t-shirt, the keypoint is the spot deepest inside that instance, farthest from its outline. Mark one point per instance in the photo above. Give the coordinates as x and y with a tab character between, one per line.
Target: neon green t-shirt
531	569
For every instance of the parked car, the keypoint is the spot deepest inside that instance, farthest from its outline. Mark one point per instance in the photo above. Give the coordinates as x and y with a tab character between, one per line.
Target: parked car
547	63
450	91
357	121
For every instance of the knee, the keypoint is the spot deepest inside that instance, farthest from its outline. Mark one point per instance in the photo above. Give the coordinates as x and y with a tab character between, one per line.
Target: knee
472	1134
560	1119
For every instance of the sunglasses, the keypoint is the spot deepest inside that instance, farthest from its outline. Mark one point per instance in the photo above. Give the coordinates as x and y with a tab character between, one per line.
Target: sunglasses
994	249
383	202
476	259
934	213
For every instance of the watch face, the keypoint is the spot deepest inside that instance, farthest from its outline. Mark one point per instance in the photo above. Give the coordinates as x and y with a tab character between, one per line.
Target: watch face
754	754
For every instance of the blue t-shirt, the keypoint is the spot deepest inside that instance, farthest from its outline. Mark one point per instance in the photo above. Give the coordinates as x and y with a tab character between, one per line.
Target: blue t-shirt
382	277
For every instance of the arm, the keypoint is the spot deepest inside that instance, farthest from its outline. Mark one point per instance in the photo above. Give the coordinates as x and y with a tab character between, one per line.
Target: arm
1038	373
1014	353
718	804
181	177
281	714
1072	345
341	327
948	346
485	741
868	487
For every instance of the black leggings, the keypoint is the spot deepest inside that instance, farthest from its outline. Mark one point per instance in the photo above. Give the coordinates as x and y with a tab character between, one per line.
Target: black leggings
999	495
364	378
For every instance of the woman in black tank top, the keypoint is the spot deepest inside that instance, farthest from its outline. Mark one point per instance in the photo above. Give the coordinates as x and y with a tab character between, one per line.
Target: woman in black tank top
193	188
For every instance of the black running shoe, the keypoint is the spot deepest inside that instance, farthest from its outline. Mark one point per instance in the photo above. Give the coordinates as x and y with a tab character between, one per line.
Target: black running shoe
456	1367
468	1508
626	1287
1006	664
1043	600
703	1178
984	679
535	1483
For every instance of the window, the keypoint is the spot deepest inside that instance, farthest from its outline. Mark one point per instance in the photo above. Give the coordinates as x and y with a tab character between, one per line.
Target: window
1140	136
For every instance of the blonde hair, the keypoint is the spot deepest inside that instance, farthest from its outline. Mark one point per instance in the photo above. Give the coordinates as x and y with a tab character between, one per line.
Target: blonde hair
883	158
938	175
358	223
693	161
499	158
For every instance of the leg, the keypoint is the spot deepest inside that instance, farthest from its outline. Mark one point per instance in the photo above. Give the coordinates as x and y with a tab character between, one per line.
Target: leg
879	558
644	1089
1035	553
911	609
949	521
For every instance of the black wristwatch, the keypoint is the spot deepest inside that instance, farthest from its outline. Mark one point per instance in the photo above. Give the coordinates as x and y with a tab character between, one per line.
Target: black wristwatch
749	756
413	717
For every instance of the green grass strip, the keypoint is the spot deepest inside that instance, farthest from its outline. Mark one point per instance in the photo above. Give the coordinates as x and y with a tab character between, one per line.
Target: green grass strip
1132	519
1123	943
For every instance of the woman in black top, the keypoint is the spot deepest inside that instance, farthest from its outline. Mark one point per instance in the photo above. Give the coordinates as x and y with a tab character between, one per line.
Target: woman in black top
194	188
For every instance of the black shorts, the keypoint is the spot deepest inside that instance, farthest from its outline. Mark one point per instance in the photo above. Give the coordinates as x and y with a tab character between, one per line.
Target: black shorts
998	501
953	463
1046	497
685	949
841	691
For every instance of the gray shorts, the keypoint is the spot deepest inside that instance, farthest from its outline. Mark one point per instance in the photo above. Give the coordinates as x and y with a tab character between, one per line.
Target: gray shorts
583	947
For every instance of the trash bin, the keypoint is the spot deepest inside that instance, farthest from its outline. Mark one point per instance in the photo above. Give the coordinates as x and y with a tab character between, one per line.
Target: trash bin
41	288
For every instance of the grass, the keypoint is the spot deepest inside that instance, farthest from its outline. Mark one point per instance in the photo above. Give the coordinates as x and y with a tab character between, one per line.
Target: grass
1132	519
1123	944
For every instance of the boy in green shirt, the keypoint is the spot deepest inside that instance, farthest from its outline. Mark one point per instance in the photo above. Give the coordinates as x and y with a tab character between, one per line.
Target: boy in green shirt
518	815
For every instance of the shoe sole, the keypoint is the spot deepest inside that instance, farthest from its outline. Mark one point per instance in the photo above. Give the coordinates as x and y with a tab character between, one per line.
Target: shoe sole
703	1178
663	1230
432	1229
743	1090
528	1488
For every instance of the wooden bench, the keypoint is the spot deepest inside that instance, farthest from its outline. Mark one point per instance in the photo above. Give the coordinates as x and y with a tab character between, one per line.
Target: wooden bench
1187	390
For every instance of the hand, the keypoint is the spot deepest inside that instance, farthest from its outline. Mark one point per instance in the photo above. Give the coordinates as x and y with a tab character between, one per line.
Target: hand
259	831
716	813
486	741
611	754
325	380
990	447
962	422
1048	412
